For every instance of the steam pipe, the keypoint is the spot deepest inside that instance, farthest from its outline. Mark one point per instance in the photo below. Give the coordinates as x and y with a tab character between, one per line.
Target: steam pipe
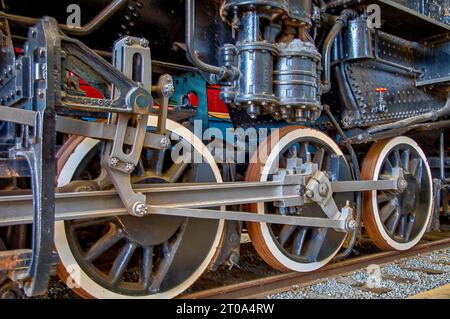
222	72
429	116
86	29
340	23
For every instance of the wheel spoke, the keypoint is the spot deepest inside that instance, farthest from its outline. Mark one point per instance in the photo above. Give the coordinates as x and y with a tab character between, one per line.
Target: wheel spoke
319	157
316	243
121	263
409	227
293	151
387	210
405	159
299	240
169	251
158	162
384	197
402	227
396	158
286	233
414	165
393	223
175	171
304	152
104	243
146	267
419	172
388	165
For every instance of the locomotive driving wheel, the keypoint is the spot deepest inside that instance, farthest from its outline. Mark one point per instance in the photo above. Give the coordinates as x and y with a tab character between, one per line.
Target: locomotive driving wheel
397	219
297	248
132	257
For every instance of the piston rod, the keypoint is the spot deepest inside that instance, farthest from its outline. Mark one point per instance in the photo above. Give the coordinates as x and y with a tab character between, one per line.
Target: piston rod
185	200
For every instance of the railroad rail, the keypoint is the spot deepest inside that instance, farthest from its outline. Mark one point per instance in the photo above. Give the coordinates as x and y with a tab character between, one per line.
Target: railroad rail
261	287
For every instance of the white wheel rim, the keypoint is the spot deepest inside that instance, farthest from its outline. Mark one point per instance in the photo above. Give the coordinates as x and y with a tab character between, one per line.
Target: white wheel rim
62	245
268	238
387	148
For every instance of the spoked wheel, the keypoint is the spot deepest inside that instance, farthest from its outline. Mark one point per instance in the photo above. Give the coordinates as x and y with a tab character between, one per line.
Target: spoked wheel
131	257
397	220
297	248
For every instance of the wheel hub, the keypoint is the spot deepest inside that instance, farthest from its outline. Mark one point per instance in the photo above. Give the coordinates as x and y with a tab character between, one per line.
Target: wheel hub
408	198
150	230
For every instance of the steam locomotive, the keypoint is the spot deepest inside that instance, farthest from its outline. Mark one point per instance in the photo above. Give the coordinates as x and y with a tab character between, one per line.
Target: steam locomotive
139	140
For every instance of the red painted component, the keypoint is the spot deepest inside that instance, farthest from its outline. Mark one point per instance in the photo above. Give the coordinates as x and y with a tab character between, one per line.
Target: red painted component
88	89
215	104
193	99
381	90
18	50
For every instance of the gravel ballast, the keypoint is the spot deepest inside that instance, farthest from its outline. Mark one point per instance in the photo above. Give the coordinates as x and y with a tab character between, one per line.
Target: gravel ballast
343	287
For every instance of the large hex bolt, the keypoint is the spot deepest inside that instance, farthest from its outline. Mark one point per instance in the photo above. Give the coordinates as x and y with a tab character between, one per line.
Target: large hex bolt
140	209
114	161
129	41
164	142
323	190
402	184
168	89
351	224
143	42
129	167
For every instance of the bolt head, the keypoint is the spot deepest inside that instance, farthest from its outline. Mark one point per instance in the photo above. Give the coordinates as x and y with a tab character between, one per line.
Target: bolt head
140	209
129	41
351	224
165	142
402	184
309	193
129	167
113	161
323	190
143	42
168	89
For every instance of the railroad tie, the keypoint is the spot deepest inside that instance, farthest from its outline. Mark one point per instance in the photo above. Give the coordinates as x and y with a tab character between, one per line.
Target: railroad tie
362	286
398	279
440	262
376	290
428	271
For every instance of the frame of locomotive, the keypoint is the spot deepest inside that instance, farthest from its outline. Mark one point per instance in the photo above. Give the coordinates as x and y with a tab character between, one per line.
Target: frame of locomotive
35	97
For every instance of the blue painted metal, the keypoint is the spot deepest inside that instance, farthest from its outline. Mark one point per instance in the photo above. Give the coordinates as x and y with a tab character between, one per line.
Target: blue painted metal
187	83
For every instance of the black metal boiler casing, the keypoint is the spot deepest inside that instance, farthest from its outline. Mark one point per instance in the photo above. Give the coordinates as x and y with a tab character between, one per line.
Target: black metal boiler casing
159	21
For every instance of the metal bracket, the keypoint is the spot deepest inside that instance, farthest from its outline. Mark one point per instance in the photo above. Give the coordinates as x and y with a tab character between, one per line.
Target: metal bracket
164	90
319	190
44	68
96	130
132	58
